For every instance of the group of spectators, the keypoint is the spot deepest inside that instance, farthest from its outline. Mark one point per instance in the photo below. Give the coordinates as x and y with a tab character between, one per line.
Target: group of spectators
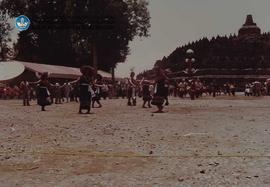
258	88
59	93
192	88
184	88
14	92
196	88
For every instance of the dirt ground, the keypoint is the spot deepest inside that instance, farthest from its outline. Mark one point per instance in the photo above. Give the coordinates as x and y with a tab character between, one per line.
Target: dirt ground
207	142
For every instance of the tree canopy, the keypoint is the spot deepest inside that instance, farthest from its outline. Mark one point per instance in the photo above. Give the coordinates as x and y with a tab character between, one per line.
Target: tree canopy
63	32
5	29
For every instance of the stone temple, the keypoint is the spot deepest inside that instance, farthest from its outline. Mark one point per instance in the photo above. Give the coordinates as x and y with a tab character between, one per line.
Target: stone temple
234	58
249	28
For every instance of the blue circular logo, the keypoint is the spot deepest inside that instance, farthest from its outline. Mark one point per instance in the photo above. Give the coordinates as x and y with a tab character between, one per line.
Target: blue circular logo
22	23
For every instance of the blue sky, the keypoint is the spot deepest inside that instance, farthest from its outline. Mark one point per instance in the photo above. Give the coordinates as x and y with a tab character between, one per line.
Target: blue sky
176	22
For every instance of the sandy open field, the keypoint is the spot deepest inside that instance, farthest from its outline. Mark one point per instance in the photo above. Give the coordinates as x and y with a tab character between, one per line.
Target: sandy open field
207	142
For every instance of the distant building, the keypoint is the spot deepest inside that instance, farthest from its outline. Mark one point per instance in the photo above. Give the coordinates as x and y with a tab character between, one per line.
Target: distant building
249	28
236	58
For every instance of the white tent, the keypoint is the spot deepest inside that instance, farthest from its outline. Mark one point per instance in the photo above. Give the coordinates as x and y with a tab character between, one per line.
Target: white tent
12	69
59	71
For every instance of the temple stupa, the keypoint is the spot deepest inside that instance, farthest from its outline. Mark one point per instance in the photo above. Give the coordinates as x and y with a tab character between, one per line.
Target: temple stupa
249	28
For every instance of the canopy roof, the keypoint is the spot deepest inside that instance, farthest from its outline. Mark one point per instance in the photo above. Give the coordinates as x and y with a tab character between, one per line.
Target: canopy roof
10	71
54	71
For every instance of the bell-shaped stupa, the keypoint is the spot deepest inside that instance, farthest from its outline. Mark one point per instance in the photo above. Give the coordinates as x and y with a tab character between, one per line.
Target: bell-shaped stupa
249	28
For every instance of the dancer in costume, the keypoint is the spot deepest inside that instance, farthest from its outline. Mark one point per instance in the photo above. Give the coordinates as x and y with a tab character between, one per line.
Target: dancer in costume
43	93
146	93
160	90
85	90
132	85
167	92
98	84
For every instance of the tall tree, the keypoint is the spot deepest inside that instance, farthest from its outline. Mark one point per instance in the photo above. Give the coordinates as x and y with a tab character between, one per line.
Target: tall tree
5	29
65	32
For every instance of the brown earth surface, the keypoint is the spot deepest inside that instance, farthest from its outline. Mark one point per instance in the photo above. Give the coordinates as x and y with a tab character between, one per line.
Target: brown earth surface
206	142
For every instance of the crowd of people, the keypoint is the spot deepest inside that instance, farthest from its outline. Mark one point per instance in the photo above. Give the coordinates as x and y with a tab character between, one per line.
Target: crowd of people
90	88
60	93
257	88
195	89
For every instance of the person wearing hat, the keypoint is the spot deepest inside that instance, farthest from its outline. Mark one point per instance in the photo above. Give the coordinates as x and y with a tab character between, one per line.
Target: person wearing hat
160	89
43	93
85	90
